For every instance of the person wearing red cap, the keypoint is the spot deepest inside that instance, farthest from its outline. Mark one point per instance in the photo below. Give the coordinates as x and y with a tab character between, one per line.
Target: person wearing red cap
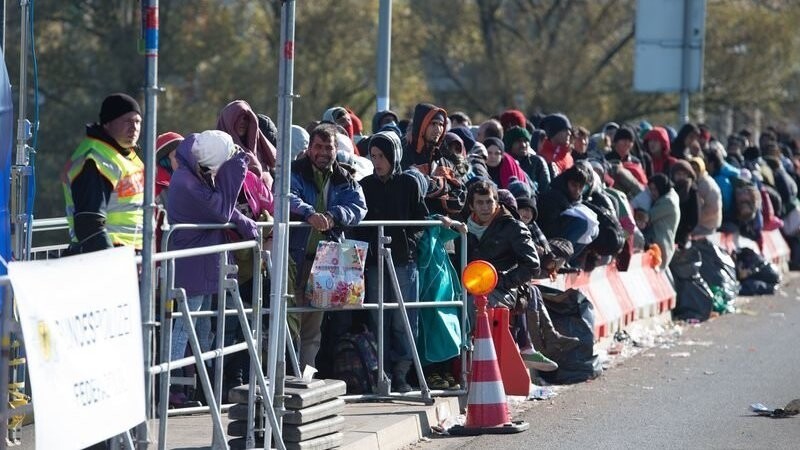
103	181
166	144
166	163
512	118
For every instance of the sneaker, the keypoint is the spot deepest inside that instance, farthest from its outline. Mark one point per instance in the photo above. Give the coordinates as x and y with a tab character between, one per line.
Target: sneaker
538	361
451	381
435	381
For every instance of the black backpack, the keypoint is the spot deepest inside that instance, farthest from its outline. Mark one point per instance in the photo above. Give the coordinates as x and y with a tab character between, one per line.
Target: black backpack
611	238
572	315
355	361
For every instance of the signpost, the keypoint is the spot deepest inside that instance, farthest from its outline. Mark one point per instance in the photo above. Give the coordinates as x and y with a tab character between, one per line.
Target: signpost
670	36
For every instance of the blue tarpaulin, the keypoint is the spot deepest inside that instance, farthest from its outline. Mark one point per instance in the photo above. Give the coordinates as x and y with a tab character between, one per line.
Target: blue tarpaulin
6	149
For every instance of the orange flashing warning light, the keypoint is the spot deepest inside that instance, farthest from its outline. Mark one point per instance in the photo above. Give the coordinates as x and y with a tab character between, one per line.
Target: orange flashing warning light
480	277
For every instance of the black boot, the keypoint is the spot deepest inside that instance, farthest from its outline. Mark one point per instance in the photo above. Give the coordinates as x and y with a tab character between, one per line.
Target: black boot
399	373
552	338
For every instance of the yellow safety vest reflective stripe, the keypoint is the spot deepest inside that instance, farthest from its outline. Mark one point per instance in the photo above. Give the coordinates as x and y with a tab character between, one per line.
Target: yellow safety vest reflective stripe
124	213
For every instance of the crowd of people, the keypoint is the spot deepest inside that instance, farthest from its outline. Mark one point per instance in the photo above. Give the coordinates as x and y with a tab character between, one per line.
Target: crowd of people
535	196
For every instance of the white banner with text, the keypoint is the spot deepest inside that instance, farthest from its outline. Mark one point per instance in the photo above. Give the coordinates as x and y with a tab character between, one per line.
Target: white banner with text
82	325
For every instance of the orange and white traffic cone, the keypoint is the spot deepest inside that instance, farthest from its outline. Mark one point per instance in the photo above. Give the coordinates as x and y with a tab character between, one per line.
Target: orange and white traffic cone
487	409
515	375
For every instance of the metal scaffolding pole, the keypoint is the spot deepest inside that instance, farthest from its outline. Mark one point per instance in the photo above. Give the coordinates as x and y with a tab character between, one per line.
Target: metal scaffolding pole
384	55
20	174
3	28
276	356
147	287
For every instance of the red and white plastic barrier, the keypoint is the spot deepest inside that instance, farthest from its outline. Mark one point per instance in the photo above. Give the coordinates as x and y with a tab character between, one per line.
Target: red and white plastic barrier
643	291
620	298
773	246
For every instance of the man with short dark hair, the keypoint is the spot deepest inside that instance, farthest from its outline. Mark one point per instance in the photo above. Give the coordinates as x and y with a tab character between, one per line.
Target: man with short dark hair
104	180
497	237
566	193
325	195
621	153
460	119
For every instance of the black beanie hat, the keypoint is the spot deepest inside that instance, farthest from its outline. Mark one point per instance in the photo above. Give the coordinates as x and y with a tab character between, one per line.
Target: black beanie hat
623	133
494	141
554	124
527	202
116	105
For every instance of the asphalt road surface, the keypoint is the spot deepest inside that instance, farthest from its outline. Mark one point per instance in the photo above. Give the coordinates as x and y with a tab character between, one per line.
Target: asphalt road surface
694	394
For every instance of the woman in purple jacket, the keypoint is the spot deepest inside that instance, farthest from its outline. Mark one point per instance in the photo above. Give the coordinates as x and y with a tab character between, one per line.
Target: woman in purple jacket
204	190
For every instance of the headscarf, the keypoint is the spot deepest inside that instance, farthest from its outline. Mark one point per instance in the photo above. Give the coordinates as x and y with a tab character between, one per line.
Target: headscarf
255	143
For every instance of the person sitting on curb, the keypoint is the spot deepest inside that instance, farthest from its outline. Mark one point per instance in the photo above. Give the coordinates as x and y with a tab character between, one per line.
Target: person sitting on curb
495	236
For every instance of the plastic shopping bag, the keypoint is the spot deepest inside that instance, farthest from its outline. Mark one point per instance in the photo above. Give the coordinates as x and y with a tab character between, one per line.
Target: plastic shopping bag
336	279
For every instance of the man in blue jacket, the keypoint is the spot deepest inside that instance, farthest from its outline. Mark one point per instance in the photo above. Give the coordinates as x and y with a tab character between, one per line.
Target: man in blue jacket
326	196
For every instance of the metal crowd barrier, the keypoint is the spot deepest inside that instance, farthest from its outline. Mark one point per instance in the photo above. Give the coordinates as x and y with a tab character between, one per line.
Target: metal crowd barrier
384	388
228	289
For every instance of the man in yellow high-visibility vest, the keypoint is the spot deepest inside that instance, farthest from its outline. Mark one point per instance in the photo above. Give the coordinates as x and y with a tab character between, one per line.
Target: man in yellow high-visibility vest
104	180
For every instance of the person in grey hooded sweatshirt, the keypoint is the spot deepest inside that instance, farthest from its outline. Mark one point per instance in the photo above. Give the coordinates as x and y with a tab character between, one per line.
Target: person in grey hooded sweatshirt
393	195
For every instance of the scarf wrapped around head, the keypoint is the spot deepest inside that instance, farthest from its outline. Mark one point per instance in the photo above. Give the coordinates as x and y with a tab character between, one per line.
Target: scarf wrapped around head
262	152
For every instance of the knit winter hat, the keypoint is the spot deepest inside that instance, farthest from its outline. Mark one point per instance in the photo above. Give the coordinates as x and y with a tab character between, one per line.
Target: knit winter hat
514	134
166	143
518	188
466	137
507	199
623	133
554	124
117	105
212	148
513	118
527	202
488	142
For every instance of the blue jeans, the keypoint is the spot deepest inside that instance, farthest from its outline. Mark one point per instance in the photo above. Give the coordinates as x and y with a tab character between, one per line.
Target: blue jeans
395	340
180	331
